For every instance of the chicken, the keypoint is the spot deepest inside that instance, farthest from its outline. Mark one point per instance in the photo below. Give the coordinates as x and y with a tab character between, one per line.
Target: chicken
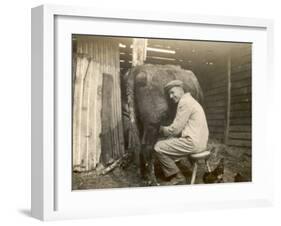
215	176
239	178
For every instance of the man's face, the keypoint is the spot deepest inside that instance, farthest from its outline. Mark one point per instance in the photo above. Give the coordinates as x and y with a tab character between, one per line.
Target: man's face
176	93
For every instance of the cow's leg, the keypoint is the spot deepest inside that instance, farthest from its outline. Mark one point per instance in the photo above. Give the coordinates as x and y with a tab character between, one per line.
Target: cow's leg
143	162
150	136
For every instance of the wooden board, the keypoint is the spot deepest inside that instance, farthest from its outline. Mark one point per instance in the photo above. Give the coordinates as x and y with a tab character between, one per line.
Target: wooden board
240	128
216	129
241	68
214	98
212	104
241	121
217	136
82	66
216	122
242	59
240	135
239	143
216	91
95	114
217	84
241	91
107	143
241	99
245	82
241	107
241	75
241	114
216	110
216	116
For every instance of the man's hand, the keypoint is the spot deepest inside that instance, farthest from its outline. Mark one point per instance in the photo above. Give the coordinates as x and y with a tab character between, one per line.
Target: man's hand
161	130
165	131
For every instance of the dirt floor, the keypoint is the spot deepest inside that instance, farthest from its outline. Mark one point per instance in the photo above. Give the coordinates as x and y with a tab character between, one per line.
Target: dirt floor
127	175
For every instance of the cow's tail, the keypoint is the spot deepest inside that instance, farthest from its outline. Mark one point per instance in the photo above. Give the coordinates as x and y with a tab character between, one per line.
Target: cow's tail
134	143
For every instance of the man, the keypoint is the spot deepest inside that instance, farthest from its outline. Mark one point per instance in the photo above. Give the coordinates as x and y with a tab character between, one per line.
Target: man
187	134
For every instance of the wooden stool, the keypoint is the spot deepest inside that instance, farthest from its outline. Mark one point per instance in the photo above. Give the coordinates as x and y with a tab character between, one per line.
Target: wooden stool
204	155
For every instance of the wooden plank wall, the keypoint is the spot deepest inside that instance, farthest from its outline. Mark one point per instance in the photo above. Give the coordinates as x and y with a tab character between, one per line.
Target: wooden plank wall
215	98
238	91
96	58
241	98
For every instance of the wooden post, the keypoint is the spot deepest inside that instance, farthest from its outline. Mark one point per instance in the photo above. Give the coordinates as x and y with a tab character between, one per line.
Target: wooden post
139	51
228	98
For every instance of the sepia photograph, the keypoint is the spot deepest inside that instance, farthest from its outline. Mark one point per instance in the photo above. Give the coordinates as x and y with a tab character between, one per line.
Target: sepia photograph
160	112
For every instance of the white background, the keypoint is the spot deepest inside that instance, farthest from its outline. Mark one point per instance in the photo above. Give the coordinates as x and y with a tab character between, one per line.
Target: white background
15	113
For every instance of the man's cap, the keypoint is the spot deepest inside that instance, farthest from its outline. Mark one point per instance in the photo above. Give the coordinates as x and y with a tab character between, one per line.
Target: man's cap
172	84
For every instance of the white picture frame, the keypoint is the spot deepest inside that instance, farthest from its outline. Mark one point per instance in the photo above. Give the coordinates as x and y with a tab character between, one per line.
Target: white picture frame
52	197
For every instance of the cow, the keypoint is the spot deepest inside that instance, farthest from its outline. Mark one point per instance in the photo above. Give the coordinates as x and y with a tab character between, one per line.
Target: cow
149	107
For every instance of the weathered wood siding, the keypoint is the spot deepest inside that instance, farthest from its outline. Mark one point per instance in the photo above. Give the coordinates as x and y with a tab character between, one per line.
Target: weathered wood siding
240	127
228	98
215	99
97	62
